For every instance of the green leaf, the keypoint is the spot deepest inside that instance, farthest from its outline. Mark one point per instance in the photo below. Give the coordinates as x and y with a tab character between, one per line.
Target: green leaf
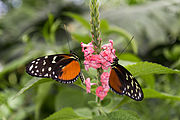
119	115
3	98
149	80
104	26
145	68
151	93
65	114
80	19
17	63
93	103
84	112
105	101
42	94
32	83
81	38
129	57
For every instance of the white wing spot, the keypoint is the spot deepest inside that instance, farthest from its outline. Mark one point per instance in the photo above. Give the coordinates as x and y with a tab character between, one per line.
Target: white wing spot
132	91
35	73
136	90
43	70
46	74
54	58
33	62
35	66
44	62
127	86
55	76
30	68
32	72
38	59
37	70
46	57
126	76
36	62
49	68
53	72
131	77
132	82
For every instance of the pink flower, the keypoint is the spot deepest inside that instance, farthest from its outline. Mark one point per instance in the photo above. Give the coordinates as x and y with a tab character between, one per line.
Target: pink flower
104	60
87	48
105	80
100	92
105	77
88	85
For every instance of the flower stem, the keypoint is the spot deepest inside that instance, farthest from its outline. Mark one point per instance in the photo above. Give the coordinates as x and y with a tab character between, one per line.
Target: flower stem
95	25
95	32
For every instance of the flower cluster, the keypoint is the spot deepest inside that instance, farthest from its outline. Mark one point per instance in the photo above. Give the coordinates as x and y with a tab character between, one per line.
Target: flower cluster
102	91
103	60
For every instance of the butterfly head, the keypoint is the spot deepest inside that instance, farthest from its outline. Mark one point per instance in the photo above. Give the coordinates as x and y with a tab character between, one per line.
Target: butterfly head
115	61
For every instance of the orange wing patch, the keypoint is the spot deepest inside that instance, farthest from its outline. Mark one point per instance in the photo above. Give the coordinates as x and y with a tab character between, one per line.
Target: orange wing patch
114	81
70	71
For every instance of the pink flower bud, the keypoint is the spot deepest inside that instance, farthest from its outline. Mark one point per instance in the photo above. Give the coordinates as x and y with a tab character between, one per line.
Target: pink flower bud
100	92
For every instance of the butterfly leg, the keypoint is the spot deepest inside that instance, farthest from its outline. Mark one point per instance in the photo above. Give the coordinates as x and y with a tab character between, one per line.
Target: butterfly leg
81	75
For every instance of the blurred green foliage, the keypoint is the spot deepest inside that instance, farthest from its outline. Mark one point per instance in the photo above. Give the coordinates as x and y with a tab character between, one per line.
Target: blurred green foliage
36	28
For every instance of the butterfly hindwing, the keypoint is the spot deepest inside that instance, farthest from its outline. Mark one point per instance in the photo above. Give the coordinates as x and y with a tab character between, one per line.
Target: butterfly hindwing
122	82
67	71
64	68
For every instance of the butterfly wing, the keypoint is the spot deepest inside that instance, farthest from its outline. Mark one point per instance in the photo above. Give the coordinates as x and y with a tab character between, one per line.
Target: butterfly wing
64	68
122	82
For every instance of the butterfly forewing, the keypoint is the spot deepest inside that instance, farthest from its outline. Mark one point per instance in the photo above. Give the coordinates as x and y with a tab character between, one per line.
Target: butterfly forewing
121	81
58	67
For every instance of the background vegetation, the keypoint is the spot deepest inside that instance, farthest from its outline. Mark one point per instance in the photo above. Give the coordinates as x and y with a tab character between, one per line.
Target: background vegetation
33	28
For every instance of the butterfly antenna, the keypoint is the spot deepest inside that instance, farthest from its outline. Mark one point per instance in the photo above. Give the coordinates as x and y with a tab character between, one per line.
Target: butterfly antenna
65	28
105	59
126	46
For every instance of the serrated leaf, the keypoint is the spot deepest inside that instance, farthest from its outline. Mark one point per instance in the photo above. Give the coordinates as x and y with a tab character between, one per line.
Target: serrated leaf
32	83
119	115
151	93
145	68
79	18
64	114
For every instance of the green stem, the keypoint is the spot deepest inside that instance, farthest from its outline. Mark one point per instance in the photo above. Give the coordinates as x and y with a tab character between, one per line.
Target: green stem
95	31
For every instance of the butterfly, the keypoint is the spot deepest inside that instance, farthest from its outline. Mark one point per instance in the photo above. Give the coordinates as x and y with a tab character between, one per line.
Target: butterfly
122	82
64	68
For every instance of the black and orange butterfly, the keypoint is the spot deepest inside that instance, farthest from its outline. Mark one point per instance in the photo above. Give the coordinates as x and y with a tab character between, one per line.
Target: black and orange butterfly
122	82
64	68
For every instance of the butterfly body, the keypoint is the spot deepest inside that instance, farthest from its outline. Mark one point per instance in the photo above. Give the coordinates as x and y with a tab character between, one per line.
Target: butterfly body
121	81
64	68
